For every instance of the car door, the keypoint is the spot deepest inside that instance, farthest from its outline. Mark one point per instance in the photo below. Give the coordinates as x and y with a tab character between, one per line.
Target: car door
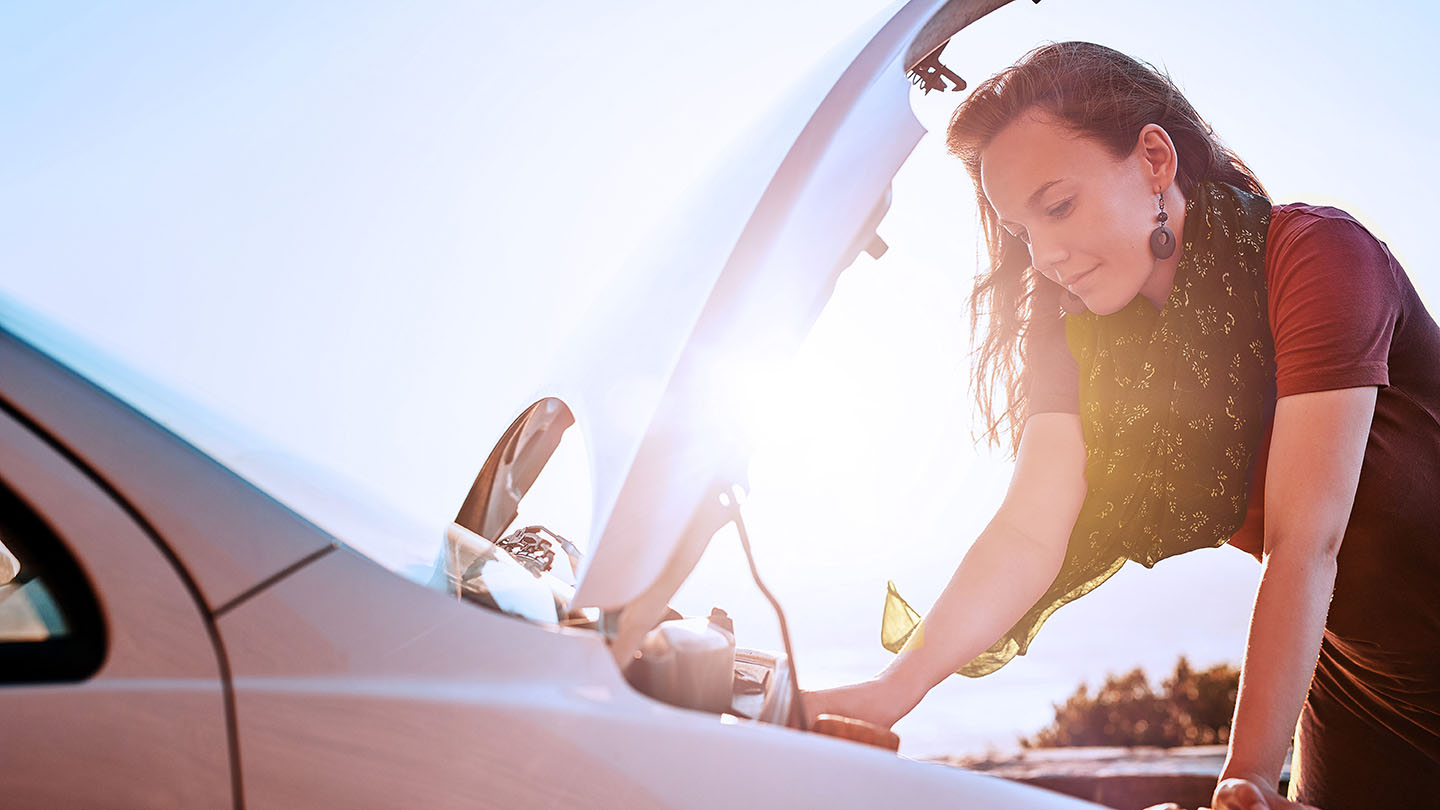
111	689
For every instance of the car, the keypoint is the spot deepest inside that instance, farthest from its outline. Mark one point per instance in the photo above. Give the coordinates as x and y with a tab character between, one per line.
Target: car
174	635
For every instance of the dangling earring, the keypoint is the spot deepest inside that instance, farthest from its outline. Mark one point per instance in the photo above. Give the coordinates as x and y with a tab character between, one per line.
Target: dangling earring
1162	241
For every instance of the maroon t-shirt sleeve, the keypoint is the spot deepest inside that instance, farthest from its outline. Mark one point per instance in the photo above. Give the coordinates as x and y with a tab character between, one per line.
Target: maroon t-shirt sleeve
1334	301
1051	377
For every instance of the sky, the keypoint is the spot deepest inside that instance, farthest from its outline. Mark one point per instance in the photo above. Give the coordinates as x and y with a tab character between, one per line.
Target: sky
353	236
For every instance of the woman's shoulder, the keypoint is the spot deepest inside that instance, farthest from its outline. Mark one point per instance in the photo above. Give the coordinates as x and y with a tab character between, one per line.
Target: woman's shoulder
1336	299
1305	241
1301	220
1302	211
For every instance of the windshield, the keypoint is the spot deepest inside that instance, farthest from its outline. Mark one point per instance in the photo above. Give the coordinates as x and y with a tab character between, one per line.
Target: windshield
342	507
529	572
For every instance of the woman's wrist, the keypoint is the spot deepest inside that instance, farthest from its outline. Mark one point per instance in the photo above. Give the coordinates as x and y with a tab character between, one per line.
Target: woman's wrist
1248	771
904	683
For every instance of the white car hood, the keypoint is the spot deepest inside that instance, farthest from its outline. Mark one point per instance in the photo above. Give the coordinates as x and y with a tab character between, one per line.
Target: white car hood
663	371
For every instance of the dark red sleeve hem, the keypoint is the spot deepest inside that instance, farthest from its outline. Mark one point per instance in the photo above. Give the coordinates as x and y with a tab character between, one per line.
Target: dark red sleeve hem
1332	379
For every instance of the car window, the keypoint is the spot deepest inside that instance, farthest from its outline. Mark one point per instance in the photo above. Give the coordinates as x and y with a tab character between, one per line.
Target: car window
50	627
28	611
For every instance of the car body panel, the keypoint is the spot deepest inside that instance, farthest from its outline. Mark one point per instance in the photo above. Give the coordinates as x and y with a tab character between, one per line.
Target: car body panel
379	693
149	728
226	534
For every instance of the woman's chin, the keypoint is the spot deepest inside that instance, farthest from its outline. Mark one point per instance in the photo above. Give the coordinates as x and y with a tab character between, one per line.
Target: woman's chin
1102	306
1106	302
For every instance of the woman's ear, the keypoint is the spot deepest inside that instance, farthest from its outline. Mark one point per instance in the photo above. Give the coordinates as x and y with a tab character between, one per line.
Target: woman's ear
1158	158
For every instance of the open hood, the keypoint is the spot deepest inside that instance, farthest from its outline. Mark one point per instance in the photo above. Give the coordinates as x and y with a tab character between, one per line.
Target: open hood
664	370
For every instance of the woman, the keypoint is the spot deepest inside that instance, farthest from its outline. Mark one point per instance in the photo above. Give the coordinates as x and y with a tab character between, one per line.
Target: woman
1179	364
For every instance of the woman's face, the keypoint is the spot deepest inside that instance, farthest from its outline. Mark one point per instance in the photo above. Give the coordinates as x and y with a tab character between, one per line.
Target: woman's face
1085	215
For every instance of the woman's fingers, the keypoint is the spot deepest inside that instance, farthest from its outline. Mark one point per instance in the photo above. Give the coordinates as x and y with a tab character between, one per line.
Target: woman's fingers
818	703
815	704
1244	794
860	701
842	701
1241	794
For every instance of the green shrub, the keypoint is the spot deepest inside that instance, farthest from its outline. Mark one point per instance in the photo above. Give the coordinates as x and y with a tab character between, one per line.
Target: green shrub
1192	708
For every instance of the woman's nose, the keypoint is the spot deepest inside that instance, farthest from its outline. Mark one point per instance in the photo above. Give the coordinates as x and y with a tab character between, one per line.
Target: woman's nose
1047	256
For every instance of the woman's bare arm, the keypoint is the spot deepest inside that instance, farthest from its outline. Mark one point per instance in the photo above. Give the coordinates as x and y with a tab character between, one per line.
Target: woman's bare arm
1007	569
1315	456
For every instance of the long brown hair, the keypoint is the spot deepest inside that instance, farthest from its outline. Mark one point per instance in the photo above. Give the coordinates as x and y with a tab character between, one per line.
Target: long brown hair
1097	92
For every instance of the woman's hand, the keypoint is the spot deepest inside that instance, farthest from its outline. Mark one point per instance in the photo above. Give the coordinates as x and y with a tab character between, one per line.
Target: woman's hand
1243	794
1008	568
870	701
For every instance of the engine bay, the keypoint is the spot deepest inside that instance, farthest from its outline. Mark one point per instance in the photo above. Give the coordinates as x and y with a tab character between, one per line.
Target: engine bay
690	662
530	571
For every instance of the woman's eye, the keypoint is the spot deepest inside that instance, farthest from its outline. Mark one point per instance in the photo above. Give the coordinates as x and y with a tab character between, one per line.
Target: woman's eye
1060	209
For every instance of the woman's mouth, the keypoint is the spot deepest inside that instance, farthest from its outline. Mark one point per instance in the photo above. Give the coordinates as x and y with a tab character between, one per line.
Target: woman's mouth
1075	282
